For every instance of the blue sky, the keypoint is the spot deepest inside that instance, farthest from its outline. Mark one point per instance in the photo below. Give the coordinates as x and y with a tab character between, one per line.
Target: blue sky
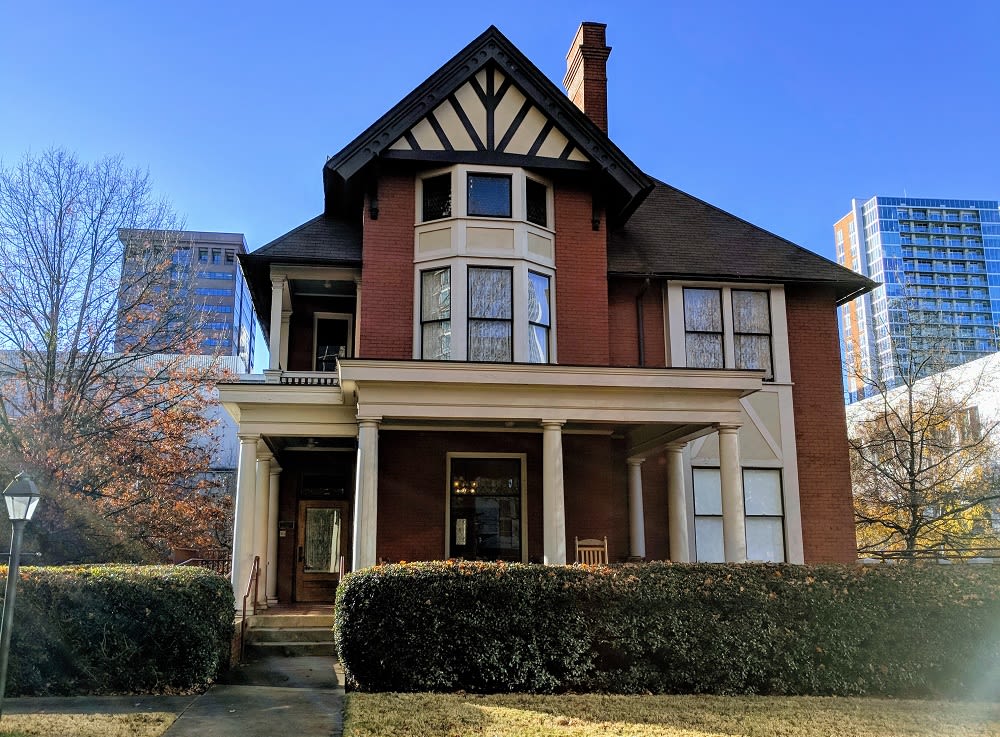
779	112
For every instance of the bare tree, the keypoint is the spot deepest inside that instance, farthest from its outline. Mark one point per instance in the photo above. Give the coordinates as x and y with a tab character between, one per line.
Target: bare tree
923	457
90	403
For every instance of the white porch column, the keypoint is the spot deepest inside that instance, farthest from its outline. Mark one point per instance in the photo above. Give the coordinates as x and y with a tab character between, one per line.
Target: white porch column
260	519
271	580
553	499
246	486
636	518
677	517
734	533
278	284
366	496
286	318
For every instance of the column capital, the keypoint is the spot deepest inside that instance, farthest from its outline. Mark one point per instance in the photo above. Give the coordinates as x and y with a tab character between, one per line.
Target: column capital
275	468
728	428
278	281
552	424
676	447
635	461
369	421
247	437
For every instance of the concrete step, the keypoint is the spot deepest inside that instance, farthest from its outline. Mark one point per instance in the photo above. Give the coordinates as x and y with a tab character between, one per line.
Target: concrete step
289	621
289	649
289	634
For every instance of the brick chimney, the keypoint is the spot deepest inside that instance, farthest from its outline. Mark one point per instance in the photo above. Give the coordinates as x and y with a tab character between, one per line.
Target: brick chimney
586	80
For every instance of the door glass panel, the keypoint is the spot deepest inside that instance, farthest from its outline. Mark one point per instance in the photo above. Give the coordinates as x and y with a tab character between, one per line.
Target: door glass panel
322	540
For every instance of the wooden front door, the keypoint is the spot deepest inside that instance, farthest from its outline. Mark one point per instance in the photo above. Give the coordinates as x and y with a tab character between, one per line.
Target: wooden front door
323	540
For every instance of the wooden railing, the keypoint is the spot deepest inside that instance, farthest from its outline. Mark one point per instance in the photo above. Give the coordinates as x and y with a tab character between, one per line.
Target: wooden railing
251	588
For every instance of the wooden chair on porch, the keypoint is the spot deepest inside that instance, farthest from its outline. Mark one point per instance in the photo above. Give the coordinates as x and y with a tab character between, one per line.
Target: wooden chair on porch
592	552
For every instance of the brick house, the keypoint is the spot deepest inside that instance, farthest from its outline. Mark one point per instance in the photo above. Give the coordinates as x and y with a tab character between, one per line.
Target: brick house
501	335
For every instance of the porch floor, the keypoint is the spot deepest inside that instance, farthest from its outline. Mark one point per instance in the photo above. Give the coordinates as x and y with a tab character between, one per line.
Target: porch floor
302	610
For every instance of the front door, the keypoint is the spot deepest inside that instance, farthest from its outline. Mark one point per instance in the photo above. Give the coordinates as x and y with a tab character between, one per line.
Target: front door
322	542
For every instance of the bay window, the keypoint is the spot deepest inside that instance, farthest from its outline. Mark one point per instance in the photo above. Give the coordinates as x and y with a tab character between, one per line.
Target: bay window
484	266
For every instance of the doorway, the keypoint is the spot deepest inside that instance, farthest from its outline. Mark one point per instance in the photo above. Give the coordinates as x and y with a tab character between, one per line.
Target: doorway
322	541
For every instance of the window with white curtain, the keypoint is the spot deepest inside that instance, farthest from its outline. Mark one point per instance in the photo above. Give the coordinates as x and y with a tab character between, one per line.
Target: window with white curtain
703	330
752	330
491	310
539	318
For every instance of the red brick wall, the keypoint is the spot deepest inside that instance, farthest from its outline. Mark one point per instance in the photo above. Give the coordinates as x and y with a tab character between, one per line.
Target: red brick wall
581	280
595	492
820	427
387	272
655	509
624	323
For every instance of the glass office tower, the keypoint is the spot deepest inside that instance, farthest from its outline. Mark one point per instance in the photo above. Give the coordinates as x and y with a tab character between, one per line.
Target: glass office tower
938	262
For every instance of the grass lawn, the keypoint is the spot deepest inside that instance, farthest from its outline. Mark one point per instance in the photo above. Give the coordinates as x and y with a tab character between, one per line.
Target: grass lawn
150	724
450	715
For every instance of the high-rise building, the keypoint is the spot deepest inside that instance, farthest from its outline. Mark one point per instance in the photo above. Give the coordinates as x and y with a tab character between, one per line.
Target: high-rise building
204	275
938	261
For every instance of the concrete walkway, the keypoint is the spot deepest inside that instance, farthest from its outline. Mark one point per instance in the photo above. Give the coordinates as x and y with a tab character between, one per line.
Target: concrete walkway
297	697
303	697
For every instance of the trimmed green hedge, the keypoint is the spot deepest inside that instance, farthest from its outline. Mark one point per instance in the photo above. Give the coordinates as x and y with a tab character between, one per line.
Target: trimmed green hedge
672	628
118	629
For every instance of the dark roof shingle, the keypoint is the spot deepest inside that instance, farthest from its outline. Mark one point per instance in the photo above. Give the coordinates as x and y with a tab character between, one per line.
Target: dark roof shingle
673	234
322	239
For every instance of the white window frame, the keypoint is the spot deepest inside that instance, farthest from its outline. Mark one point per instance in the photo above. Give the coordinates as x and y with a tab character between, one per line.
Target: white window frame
675	332
346	317
523	457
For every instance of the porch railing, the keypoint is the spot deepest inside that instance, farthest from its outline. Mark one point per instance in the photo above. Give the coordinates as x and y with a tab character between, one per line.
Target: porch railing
219	561
309	378
251	588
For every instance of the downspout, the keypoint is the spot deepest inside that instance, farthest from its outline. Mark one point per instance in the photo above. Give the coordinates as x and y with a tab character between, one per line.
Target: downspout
640	321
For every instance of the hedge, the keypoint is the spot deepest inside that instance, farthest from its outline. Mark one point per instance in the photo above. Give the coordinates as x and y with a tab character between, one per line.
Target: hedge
672	628
118	629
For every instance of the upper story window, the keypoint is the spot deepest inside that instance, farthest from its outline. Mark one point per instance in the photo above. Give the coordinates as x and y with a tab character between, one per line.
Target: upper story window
726	327
436	197
485	266
489	195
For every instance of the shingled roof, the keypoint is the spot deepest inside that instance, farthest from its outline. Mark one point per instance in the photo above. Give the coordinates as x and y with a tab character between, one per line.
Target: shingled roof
323	239
675	235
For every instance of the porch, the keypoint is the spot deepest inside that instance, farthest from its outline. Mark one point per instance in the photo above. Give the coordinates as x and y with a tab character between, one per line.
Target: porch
378	447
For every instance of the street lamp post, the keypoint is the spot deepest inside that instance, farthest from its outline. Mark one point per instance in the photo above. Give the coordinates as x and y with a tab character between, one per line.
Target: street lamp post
21	497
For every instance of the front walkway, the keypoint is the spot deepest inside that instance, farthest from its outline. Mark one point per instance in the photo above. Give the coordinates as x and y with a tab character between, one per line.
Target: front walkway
267	697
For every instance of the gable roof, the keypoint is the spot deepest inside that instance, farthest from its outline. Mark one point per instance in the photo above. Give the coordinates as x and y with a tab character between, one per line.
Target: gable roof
675	235
462	79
